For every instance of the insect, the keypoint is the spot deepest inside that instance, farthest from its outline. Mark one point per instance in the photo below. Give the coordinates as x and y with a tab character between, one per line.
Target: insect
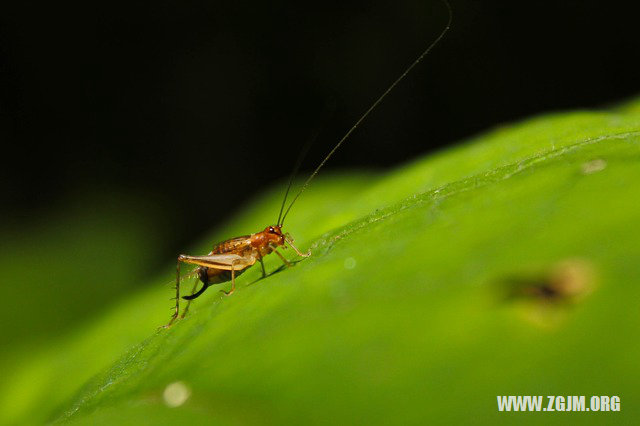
232	257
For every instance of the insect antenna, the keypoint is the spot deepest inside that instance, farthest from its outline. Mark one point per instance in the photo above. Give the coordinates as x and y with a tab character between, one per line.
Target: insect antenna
303	153
301	156
371	108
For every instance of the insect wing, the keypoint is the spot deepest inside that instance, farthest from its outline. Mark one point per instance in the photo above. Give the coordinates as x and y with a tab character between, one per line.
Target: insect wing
222	261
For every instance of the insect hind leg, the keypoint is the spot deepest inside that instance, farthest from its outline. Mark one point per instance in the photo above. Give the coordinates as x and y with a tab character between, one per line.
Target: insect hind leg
177	307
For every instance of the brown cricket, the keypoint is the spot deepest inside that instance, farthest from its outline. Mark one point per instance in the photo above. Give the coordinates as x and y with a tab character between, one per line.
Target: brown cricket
232	257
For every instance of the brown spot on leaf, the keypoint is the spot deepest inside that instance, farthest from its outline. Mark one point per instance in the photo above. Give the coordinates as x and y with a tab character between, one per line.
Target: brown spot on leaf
565	281
593	166
543	296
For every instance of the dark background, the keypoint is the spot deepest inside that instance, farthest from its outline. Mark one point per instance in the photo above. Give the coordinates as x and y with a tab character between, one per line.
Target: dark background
190	108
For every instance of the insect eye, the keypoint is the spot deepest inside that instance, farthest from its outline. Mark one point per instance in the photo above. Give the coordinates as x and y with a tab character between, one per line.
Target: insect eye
271	229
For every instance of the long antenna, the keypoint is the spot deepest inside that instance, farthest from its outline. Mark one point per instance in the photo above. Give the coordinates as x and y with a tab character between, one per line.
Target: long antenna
303	153
372	107
327	112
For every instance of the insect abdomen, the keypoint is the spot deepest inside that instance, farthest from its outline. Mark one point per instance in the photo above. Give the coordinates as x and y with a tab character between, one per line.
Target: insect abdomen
217	276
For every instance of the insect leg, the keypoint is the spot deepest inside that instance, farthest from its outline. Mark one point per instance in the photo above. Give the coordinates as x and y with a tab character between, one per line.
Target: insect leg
290	242
286	262
264	273
233	281
177	308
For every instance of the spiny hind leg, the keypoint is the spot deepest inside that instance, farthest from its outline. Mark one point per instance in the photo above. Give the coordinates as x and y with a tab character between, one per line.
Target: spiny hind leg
177	307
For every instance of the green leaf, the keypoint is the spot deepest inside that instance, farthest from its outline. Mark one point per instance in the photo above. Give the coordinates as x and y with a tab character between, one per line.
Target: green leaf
507	265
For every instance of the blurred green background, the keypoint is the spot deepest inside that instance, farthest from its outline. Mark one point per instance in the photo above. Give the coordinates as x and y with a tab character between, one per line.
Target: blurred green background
505	265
